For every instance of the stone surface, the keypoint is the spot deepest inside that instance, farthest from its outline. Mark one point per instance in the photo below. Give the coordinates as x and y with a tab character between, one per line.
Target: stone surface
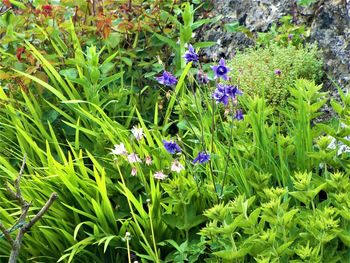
329	21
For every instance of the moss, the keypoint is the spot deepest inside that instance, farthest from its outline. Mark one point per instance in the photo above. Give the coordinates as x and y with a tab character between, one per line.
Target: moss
254	70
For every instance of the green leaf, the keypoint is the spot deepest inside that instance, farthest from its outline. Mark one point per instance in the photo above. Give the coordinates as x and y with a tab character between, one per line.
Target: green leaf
114	39
109	79
127	61
18	4
168	41
281	249
337	107
232	27
204	44
201	22
232	255
301	196
70	73
345	237
177	90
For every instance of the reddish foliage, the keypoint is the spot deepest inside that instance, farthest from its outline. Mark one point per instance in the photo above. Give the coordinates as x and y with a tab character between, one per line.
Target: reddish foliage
19	53
7	3
47	10
103	26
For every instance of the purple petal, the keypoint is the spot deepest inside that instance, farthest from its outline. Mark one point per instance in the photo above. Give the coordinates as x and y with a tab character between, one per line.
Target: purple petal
225	77
222	62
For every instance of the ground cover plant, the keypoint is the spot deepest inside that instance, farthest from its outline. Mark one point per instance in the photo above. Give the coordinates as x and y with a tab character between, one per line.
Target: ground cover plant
155	156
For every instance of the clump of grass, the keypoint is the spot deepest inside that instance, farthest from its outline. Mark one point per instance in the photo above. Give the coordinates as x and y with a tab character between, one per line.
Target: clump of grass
272	70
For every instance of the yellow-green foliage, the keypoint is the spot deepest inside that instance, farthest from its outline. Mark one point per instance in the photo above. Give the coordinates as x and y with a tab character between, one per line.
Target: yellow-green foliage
255	70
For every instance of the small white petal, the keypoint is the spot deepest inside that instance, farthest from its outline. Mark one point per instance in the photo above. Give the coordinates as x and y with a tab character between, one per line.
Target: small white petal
133	158
137	132
160	175
119	149
176	166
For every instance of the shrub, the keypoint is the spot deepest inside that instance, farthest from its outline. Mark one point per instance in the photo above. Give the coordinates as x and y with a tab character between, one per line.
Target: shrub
272	70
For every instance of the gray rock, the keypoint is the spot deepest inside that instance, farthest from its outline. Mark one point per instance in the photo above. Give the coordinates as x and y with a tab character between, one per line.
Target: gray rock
329	21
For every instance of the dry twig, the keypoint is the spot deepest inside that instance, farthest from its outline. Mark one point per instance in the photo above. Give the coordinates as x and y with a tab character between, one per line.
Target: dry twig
17	195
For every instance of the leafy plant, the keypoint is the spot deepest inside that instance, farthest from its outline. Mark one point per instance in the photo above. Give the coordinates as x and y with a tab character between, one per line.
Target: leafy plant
284	33
270	71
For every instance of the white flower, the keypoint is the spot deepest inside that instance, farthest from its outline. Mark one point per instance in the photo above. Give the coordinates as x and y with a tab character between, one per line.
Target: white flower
133	171
133	158
127	236
159	175
119	149
176	166
148	160
137	132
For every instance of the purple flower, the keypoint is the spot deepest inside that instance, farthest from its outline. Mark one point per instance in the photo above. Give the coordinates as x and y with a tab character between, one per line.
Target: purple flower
290	36
278	72
232	91
190	55
171	146
202	77
223	92
167	79
202	157
239	115
220	94
221	70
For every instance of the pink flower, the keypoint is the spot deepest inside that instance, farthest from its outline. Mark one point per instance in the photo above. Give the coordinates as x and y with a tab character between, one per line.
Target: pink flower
133	158
160	175
176	166
148	160
133	171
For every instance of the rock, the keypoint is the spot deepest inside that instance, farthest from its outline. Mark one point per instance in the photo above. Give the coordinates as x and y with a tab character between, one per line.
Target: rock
330	29
329	21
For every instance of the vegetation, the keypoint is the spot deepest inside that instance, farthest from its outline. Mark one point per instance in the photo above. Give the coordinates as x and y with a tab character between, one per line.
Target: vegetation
271	71
154	156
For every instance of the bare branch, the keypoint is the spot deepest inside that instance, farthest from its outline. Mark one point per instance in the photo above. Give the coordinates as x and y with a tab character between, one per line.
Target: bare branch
42	211
6	233
10	191
18	241
19	196
25	209
5	11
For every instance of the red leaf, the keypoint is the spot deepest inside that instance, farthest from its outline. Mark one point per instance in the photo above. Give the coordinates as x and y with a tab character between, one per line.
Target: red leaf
7	3
19	52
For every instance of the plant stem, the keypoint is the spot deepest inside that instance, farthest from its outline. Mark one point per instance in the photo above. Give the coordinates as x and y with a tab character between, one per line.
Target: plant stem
212	125
185	215
212	178
134	216
128	249
227	157
152	231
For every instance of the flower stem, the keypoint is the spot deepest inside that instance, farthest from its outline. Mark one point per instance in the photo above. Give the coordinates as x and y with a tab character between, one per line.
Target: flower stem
227	156
152	230
135	219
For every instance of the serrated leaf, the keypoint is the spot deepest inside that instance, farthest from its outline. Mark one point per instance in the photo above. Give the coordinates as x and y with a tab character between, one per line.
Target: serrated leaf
231	255
337	107
283	247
